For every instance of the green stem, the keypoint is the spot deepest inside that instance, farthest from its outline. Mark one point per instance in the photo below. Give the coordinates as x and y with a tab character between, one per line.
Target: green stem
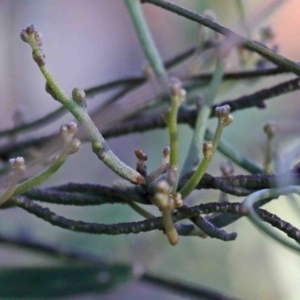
173	138
236	38
144	213
42	176
241	9
100	147
258	222
202	118
146	40
194	180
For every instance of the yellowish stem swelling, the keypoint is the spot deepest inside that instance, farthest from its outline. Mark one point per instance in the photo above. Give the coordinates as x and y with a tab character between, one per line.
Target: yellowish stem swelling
170	229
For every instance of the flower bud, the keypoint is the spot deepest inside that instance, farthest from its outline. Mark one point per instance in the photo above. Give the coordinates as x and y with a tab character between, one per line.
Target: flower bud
207	149
30	29
23	36
222	111
166	151
18	165
74	146
270	129
141	154
78	95
38	36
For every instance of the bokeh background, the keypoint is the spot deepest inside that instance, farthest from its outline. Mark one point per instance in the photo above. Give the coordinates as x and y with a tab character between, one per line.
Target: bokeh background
92	42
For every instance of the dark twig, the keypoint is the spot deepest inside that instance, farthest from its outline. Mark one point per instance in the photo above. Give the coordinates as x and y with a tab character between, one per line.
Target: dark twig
276	222
83	194
189	116
156	121
233	37
211	230
142	226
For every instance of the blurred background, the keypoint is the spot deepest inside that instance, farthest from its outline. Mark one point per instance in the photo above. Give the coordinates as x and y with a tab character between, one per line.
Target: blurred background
88	43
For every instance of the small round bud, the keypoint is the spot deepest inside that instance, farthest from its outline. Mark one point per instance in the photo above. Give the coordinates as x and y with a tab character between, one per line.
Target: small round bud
67	131
18	165
141	154
177	200
49	90
270	129
39	57
78	95
166	151
72	127
175	86
63	130
177	92
162	186
23	36
74	146
38	36
222	111
182	95
96	147
30	29
228	120
207	149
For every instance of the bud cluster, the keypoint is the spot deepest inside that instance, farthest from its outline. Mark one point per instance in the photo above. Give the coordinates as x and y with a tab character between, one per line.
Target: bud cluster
67	132
35	39
18	165
140	165
177	92
223	114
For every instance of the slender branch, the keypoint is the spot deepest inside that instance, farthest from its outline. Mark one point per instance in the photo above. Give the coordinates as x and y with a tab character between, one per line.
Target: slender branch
90	194
185	116
137	227
247	208
119	228
234	37
202	118
38	123
99	145
189	116
212	231
147	42
209	148
241	9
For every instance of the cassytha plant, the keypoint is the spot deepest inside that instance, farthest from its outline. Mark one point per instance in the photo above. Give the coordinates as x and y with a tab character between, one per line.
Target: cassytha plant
167	186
